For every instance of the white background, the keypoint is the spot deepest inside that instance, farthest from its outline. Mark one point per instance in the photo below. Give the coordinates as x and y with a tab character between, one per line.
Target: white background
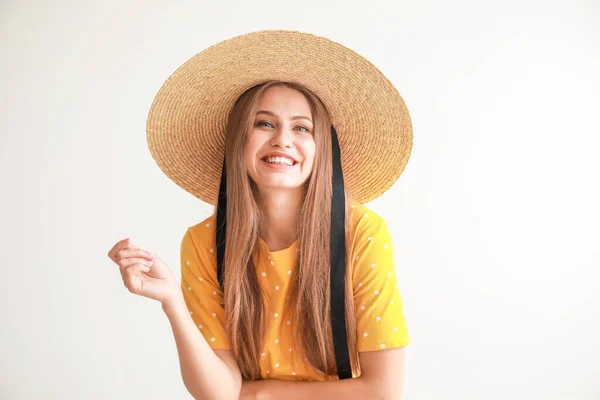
495	219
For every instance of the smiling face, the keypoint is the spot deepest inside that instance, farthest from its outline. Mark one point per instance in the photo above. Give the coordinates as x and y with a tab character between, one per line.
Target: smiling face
283	124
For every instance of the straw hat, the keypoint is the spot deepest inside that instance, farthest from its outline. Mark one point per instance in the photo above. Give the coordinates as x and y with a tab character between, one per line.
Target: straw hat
187	121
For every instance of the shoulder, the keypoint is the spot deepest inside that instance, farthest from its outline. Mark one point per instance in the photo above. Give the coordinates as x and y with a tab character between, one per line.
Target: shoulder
198	251
371	250
201	235
364	222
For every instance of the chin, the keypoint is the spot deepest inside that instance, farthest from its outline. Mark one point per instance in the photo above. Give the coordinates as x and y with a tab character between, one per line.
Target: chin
280	185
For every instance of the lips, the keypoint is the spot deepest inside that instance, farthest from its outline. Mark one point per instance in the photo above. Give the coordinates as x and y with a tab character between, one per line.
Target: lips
279	154
284	161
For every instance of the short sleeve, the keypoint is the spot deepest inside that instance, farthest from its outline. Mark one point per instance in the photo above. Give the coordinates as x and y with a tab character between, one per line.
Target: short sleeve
379	310
201	290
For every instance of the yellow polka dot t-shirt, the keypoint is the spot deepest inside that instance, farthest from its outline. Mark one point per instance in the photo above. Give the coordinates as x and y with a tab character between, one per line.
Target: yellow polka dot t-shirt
379	311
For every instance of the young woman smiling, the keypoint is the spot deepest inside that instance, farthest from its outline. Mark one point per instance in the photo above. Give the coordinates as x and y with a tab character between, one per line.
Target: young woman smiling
290	287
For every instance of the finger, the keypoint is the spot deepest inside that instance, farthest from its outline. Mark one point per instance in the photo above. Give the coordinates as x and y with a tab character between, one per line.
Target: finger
130	261
136	252
112	253
132	277
136	269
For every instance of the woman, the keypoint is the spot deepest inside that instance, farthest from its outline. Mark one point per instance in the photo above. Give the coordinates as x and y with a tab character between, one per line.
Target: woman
271	308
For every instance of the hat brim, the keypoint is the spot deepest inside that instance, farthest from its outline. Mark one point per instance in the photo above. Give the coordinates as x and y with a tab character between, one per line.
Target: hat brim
187	121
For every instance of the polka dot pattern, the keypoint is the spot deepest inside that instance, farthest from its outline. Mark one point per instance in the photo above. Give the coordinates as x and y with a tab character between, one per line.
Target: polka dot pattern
380	316
379	310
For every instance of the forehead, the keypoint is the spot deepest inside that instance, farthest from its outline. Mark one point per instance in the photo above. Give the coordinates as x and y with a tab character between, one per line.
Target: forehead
284	100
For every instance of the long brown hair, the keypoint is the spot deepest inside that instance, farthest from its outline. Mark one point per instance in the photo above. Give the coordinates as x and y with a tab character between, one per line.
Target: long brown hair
308	300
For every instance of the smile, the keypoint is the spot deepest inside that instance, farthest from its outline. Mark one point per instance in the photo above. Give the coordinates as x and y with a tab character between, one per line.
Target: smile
279	160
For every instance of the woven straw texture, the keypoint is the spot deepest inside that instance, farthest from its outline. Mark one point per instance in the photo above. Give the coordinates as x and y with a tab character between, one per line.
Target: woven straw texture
187	120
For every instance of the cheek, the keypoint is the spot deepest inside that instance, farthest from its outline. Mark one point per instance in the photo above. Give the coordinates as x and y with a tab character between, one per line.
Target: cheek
250	150
310	150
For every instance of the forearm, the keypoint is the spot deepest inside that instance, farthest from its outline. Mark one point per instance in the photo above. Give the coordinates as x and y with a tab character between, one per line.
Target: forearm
347	389
204	374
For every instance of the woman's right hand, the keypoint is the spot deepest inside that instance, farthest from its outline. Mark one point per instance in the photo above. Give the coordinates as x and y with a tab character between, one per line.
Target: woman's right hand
144	273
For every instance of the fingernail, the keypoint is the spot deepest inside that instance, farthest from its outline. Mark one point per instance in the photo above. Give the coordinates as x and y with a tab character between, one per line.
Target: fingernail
150	254
149	263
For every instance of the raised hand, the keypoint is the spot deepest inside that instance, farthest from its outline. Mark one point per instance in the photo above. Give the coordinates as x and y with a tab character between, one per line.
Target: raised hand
144	273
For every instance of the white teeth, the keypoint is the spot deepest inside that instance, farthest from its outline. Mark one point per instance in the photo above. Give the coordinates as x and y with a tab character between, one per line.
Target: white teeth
279	160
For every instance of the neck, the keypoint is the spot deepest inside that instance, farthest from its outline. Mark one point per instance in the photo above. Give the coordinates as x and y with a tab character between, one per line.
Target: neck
279	210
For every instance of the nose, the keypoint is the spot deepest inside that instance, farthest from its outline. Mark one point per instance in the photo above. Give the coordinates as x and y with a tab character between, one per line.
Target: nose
282	138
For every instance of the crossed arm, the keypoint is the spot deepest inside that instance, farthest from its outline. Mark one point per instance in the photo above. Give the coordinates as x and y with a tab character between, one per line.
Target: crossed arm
382	378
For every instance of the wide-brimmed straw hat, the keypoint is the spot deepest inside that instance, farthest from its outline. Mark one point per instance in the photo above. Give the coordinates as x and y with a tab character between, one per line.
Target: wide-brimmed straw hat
187	121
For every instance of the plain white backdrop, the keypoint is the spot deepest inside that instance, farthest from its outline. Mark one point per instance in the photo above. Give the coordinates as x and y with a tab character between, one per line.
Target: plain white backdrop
495	218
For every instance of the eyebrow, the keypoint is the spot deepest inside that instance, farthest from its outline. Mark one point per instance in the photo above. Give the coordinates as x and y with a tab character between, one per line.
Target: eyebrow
295	117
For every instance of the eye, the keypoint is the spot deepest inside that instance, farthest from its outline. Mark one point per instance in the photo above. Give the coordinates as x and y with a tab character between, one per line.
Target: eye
263	122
